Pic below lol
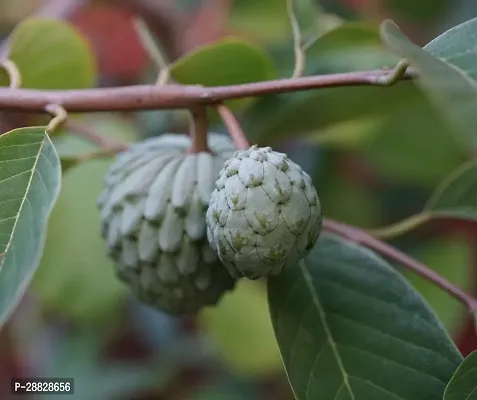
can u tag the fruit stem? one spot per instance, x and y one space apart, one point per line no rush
198 130
233 126
59 117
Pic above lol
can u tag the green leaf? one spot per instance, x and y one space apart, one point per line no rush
30 180
350 327
450 257
228 62
85 289
240 326
458 47
51 54
447 84
463 385
456 196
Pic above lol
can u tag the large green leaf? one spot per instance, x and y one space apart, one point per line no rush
85 288
30 180
463 385
51 54
447 81
240 326
458 46
350 327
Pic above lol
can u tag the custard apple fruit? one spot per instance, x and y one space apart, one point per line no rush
264 213
153 219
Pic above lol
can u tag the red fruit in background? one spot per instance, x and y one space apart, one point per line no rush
114 39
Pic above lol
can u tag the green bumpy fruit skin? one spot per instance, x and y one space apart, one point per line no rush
264 213
153 220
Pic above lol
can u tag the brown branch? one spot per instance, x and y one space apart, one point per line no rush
149 97
358 236
233 126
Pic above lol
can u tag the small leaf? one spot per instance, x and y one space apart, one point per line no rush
240 326
228 62
447 84
463 385
30 180
350 327
51 54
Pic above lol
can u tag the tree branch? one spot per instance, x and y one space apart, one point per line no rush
358 236
149 97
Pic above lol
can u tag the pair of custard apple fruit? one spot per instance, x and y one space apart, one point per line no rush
182 227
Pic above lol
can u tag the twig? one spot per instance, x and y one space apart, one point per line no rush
149 97
358 236
198 130
106 143
153 50
300 56
233 126
59 117
14 77
402 227
397 74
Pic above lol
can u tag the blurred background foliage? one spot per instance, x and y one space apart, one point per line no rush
374 154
